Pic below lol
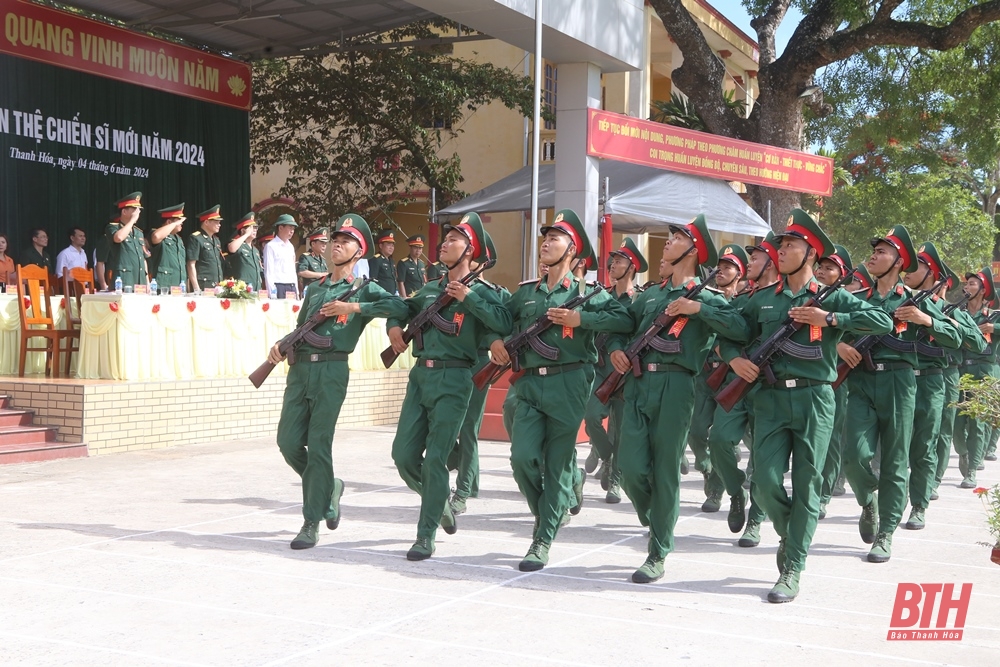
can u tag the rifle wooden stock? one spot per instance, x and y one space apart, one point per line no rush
733 393
717 376
609 386
488 374
258 376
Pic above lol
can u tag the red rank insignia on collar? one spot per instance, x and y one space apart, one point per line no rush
350 279
899 290
813 287
690 284
566 283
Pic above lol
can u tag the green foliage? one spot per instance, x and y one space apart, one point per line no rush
931 207
681 113
982 401
357 128
991 503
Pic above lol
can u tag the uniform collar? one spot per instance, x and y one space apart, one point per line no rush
666 284
813 286
568 281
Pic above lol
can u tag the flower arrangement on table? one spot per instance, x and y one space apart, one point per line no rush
235 289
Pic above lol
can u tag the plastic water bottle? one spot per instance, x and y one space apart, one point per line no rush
272 293
153 287
184 287
118 285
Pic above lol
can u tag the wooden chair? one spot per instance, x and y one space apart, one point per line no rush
75 283
33 284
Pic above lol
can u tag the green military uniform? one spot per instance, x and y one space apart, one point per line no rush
439 389
167 260
126 259
793 418
317 385
436 270
310 262
206 252
701 425
880 408
245 264
412 273
381 269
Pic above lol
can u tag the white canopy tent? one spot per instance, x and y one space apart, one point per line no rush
643 199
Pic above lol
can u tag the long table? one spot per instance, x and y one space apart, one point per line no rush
143 337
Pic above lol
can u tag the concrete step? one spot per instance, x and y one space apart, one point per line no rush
39 450
20 435
11 417
4 401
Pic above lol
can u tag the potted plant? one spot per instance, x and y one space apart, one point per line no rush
991 501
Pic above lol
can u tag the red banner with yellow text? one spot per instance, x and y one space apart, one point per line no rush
68 40
617 137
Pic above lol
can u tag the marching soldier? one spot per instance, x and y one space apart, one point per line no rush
311 265
659 403
793 417
440 384
411 271
552 395
883 393
626 262
126 259
436 269
243 262
829 270
204 252
383 271
318 377
167 262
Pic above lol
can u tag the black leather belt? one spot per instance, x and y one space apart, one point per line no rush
443 363
881 367
545 371
925 372
314 358
666 368
795 383
976 362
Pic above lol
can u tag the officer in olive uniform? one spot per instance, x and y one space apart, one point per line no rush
204 252
830 269
126 259
318 377
244 261
311 266
440 384
464 458
659 403
411 272
793 417
383 271
626 262
167 261
883 393
436 269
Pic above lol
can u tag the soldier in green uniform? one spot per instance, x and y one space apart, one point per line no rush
383 271
883 393
436 269
971 435
126 259
311 266
552 394
829 270
626 262
167 261
440 383
411 272
464 459
318 377
793 417
204 252
244 262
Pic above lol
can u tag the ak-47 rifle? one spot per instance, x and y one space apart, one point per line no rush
649 339
530 337
778 342
717 376
865 344
431 315
303 334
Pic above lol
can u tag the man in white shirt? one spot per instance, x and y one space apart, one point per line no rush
73 256
279 258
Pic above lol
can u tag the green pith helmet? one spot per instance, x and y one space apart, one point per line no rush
769 246
355 226
736 255
928 254
471 227
285 219
568 222
491 250
953 278
865 278
842 259
697 231
985 276
630 251
899 238
804 226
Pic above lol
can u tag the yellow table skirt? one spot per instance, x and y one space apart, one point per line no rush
10 336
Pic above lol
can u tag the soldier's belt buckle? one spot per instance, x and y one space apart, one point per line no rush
313 357
880 367
429 363
791 384
651 368
543 371
714 364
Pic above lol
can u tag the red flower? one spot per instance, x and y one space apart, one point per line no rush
113 306
266 307
27 303
230 284
191 306
225 304
295 308
980 491
62 304
156 308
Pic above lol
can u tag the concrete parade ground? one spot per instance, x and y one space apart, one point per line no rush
180 556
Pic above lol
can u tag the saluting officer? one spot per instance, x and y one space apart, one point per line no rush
204 252
793 417
383 271
411 271
659 403
168 258
312 266
126 259
440 383
883 393
318 377
243 262
626 262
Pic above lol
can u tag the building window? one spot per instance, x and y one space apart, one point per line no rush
550 91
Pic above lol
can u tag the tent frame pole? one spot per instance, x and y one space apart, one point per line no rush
536 136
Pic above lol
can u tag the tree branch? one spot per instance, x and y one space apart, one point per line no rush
766 26
886 9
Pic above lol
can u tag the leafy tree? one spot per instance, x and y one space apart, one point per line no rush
360 126
830 32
